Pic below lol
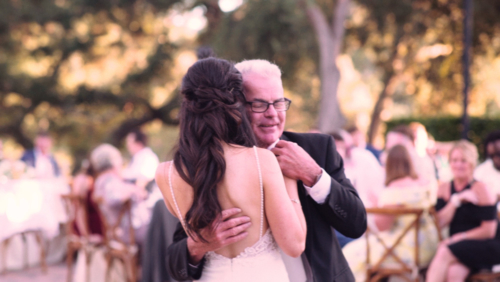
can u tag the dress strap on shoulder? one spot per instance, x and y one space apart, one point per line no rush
261 193
179 215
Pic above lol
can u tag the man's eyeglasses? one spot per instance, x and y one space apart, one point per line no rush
262 106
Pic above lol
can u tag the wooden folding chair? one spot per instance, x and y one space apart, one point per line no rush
78 232
116 247
485 276
396 267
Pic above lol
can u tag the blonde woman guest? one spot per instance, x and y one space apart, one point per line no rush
468 208
403 188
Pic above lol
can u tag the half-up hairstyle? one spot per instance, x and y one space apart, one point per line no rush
212 113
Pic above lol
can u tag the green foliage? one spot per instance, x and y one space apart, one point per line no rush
274 30
85 69
450 128
277 31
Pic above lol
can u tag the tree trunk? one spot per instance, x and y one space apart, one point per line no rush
330 40
390 74
377 110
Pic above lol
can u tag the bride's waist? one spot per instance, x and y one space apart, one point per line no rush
265 244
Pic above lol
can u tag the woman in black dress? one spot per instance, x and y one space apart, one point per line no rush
468 207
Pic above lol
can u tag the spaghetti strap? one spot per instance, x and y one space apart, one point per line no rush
173 196
261 193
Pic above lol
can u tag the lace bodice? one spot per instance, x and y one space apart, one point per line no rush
266 243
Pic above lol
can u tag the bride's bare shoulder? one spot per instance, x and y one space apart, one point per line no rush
162 172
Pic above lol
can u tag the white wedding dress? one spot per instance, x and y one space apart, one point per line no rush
260 262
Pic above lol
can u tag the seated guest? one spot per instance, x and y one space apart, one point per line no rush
403 188
83 186
403 135
361 167
359 140
40 157
489 171
468 208
112 191
141 169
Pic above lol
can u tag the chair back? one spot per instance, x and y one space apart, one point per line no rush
389 264
76 210
435 220
113 230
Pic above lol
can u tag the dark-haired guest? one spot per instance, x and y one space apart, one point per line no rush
359 140
489 171
468 208
144 162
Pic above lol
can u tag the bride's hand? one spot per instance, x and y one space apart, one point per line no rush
223 231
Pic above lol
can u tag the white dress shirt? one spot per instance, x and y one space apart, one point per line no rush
366 175
43 165
488 174
143 165
321 189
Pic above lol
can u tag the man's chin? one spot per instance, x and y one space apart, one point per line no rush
266 141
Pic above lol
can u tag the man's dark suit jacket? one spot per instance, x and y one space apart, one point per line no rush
342 210
29 158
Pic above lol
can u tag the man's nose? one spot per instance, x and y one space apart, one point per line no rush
271 111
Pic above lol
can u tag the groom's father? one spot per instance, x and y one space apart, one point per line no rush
328 199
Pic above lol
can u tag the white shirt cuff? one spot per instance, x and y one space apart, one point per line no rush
321 189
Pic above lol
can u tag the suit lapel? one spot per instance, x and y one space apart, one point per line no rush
284 137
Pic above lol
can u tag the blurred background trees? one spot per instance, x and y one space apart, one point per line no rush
88 71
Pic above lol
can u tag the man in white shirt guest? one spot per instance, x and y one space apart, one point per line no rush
489 171
141 169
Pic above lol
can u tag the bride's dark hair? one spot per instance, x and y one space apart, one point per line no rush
212 113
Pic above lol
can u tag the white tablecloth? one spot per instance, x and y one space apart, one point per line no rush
29 204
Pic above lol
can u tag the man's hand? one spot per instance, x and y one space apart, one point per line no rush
468 196
222 232
296 163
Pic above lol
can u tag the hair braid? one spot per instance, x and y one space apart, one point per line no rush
212 113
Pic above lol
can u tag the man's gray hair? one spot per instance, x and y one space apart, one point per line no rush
260 67
104 157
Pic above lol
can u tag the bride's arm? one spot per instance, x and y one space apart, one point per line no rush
291 188
282 207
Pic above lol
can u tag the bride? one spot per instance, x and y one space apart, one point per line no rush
217 166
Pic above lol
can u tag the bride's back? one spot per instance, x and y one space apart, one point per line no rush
239 188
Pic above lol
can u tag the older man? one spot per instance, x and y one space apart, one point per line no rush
328 199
